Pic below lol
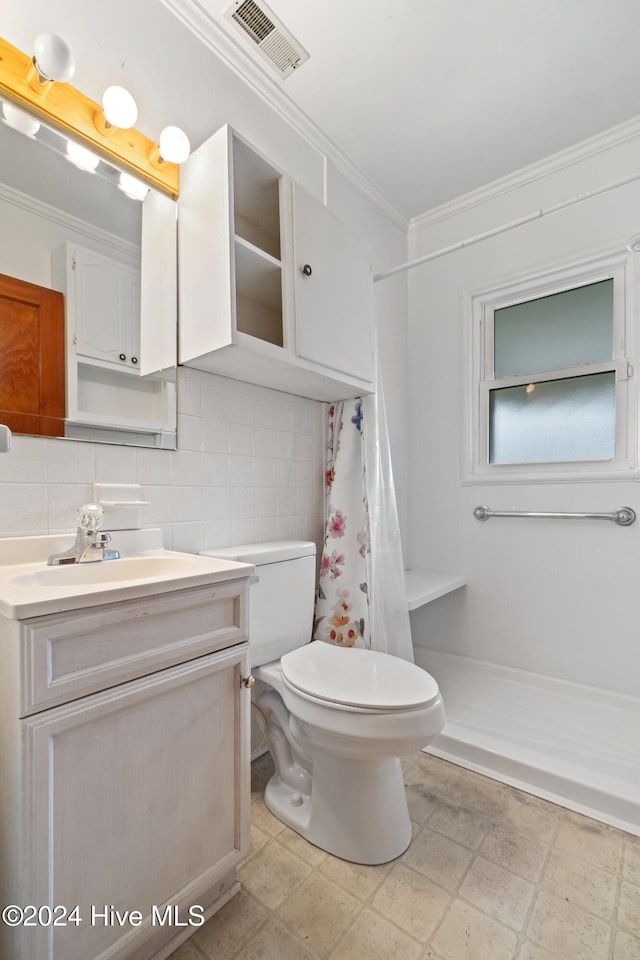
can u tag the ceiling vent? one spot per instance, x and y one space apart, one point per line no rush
275 44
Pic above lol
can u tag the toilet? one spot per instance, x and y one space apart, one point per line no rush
338 719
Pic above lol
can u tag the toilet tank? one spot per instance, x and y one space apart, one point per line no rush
281 599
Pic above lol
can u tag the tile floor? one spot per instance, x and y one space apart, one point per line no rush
492 873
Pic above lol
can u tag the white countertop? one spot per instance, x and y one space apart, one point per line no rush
23 561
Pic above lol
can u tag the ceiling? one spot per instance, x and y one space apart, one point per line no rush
432 99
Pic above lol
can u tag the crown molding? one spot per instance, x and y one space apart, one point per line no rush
193 15
67 221
629 130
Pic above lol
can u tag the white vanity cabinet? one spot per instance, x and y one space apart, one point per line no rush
274 289
125 771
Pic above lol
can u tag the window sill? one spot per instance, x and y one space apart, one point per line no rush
628 475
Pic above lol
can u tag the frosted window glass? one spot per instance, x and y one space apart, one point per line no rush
571 419
550 333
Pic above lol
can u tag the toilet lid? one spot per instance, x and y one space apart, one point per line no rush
358 678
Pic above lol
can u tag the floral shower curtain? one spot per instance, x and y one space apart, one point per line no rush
361 594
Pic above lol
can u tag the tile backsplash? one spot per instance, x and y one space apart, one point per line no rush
249 468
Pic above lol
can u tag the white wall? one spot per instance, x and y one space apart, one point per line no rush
556 597
249 464
29 238
389 243
249 467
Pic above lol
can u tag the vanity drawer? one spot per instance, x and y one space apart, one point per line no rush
69 655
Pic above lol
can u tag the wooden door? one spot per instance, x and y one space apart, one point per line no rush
31 358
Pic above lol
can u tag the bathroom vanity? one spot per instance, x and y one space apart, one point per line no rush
124 736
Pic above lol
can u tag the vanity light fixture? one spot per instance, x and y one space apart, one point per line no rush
20 120
52 61
119 111
132 187
173 147
29 83
81 157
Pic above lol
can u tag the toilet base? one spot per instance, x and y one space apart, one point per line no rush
357 809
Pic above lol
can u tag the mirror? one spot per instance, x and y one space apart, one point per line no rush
78 233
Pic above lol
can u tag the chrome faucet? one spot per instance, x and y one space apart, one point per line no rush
90 540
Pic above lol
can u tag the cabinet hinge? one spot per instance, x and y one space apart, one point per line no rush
629 370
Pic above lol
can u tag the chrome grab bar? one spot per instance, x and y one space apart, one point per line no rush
624 516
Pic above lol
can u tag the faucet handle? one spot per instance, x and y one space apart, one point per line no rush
90 517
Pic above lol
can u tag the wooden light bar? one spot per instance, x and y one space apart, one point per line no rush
71 112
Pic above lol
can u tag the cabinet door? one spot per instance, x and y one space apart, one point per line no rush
105 295
333 289
157 303
135 797
205 250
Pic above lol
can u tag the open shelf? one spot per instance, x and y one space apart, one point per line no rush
116 398
258 293
423 586
256 199
258 270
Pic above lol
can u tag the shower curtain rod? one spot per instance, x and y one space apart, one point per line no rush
505 227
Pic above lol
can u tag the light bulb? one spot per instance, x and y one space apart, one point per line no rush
132 187
119 108
81 157
52 58
174 145
19 120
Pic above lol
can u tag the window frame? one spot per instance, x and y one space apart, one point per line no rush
480 307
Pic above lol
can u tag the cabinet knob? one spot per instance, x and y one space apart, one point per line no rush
248 681
134 359
307 270
123 356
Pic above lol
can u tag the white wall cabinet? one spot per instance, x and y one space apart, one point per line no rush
333 298
273 288
125 771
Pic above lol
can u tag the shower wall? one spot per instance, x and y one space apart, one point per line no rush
559 598
547 624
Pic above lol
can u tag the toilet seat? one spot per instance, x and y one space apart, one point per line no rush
357 679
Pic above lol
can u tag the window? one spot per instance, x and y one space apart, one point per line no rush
550 392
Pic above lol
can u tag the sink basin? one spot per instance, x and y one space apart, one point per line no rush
31 588
110 571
